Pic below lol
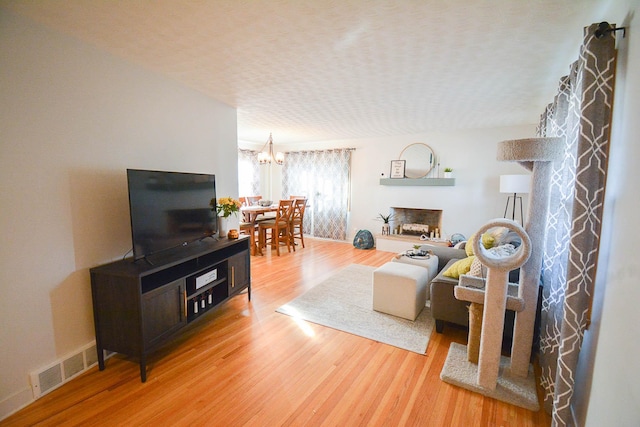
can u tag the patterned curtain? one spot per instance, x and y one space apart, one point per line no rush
324 177
248 173
581 113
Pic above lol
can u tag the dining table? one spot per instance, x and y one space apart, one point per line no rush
250 213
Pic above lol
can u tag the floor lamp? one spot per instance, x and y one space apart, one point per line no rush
514 184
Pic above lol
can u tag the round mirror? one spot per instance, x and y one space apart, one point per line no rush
419 160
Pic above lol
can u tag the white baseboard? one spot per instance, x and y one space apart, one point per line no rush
15 402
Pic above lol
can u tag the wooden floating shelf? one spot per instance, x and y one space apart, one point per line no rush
419 181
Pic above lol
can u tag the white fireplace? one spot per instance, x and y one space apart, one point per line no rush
415 220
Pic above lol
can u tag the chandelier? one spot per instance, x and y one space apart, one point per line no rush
265 156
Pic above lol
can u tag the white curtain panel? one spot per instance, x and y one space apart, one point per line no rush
581 112
324 178
249 173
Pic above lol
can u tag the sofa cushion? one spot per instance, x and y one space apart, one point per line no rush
444 254
459 267
444 305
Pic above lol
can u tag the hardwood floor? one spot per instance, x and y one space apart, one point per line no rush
248 365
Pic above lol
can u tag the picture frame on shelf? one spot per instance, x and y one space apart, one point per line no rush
397 169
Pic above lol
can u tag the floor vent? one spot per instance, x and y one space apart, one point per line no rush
54 375
73 365
91 356
50 378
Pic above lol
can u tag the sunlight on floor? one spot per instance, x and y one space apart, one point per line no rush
302 324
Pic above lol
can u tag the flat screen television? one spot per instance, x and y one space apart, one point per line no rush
169 209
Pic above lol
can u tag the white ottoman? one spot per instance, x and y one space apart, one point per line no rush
430 263
400 289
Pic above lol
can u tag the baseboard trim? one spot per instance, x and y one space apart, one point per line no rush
16 402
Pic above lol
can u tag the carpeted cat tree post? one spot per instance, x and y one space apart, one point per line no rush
492 377
537 155
494 298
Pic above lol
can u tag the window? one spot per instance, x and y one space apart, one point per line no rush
248 173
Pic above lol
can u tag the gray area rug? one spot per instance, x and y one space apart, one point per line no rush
517 391
344 302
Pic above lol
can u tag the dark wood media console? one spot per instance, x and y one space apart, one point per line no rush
139 306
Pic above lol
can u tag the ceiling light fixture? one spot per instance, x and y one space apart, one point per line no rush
265 156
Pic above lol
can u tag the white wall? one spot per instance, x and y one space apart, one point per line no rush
608 379
72 119
467 206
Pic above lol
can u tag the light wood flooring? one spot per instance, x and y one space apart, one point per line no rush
247 365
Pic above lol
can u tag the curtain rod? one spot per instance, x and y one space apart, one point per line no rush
605 28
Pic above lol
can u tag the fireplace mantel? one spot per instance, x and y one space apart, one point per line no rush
402 242
419 181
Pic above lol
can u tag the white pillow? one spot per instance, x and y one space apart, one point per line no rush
502 251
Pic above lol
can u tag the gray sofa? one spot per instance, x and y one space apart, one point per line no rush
444 305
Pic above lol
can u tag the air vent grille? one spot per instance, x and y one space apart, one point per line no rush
59 372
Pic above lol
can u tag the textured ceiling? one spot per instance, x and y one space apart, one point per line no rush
312 70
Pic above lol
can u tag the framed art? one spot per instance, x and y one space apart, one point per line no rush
397 168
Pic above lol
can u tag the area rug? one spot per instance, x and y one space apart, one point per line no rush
344 302
517 391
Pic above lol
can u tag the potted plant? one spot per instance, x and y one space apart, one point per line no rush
448 172
224 208
385 219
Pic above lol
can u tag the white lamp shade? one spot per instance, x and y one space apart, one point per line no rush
515 183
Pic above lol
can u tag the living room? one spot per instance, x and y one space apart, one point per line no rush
74 118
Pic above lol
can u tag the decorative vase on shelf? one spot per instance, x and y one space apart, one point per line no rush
448 174
385 229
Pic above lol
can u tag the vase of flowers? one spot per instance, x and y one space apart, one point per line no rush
224 207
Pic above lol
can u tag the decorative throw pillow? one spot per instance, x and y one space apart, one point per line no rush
487 242
477 269
459 267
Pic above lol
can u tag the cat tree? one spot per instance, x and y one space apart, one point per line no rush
512 382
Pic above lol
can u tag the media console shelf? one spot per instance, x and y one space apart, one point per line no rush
139 306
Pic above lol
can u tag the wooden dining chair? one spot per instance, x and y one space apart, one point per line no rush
296 223
279 228
250 228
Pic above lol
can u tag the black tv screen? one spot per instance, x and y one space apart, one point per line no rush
169 209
